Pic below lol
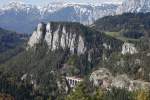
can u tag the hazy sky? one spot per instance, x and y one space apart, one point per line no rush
42 2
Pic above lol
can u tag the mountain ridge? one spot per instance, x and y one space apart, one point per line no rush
74 36
71 12
85 14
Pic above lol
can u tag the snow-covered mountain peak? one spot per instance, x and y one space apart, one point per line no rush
52 7
16 6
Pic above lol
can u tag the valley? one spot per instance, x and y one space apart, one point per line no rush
75 51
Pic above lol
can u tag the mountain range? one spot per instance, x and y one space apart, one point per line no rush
24 17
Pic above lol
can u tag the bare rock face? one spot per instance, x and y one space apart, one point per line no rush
58 36
137 84
98 76
105 79
38 35
128 48
121 81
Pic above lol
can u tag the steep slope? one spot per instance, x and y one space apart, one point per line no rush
73 36
15 16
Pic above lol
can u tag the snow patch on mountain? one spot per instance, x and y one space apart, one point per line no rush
134 6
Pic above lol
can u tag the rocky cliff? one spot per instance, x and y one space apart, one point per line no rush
76 38
128 48
58 36
104 78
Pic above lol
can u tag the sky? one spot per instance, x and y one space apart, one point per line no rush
43 2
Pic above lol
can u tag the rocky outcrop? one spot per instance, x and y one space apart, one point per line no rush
98 76
58 36
121 81
38 35
128 48
104 78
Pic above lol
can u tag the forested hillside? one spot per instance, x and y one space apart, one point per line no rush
132 28
10 44
129 25
37 70
44 65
